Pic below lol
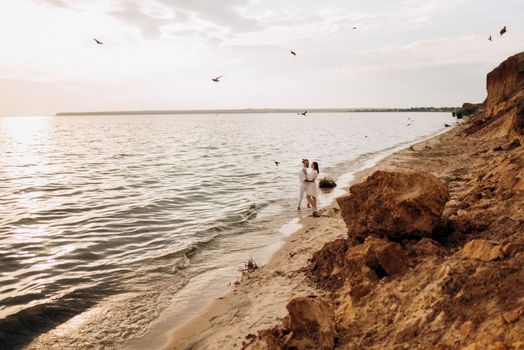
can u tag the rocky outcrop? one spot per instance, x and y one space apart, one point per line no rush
357 268
504 105
310 325
372 261
395 204
505 85
328 265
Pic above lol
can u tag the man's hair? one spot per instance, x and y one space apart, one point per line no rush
305 160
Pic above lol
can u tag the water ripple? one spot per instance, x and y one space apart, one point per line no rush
104 220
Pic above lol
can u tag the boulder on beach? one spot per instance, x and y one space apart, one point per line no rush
309 325
395 204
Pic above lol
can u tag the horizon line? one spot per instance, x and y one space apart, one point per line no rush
262 110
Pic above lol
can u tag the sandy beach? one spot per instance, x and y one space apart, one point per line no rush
480 160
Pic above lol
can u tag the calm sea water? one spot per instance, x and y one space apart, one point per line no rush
107 223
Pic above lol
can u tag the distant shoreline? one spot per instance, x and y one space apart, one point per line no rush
262 110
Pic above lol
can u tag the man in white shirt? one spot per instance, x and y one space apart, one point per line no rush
302 183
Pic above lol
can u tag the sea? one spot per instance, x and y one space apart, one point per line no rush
115 228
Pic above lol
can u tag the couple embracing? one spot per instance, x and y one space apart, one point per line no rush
308 177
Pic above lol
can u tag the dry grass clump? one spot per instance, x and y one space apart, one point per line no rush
248 267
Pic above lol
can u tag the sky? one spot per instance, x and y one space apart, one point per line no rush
162 54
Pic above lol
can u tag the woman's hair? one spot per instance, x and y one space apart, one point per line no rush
315 166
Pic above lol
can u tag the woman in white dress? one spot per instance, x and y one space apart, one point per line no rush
311 185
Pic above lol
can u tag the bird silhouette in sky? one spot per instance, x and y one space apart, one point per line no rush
98 41
277 163
217 79
503 31
302 113
490 39
354 28
293 53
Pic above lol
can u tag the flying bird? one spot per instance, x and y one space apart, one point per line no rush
503 31
277 163
490 39
293 53
302 113
354 28
217 79
98 41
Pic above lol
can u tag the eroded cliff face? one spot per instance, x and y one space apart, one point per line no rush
503 114
518 120
451 280
505 85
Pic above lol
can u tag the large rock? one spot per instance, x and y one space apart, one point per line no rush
361 265
371 261
383 257
396 204
311 324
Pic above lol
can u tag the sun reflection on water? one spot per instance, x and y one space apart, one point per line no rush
20 139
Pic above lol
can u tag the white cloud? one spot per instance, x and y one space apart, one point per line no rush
162 53
132 13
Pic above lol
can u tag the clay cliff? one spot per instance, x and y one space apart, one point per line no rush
434 256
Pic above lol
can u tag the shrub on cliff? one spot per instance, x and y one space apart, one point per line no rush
468 109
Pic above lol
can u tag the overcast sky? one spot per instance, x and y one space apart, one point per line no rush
162 54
